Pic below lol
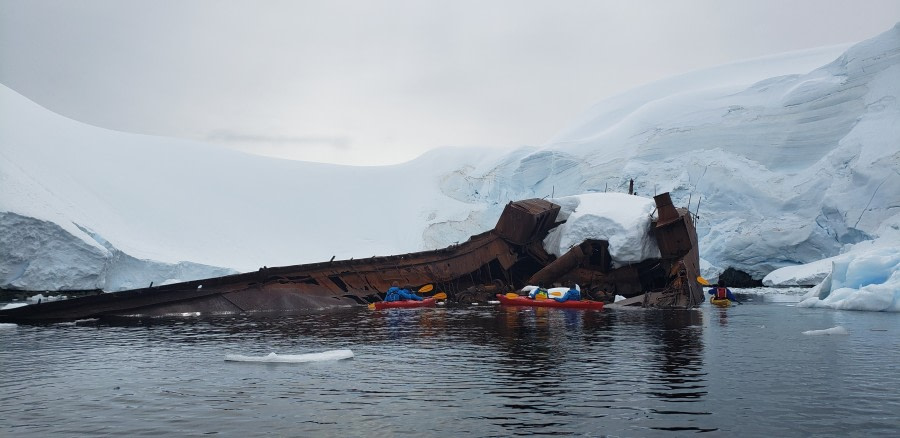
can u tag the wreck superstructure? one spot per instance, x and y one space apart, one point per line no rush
497 261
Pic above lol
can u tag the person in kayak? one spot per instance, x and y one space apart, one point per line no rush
395 293
573 294
720 292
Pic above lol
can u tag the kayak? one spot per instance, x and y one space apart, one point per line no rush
525 301
724 302
402 304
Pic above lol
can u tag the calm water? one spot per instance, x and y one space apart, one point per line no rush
461 371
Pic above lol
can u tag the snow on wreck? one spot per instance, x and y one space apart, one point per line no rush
608 243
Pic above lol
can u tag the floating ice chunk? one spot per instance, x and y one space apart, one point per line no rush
77 322
862 280
292 358
839 330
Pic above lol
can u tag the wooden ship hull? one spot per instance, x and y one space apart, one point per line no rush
497 261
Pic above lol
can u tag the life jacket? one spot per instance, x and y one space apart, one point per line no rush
538 293
721 293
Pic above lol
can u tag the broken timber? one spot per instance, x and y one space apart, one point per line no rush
500 260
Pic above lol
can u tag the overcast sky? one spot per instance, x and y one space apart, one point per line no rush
375 82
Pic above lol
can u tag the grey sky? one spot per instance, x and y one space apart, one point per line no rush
375 82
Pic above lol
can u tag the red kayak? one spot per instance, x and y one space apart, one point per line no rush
427 302
525 301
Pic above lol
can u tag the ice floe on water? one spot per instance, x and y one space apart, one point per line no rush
7 326
80 322
862 280
865 277
839 330
292 358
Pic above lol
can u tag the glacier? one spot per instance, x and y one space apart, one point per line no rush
785 161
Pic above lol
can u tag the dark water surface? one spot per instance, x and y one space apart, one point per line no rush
461 371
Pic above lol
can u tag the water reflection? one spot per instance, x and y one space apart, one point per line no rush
540 369
681 377
723 316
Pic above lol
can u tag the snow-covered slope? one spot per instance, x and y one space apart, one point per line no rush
786 170
789 157
75 199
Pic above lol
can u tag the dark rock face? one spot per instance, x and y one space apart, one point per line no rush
737 278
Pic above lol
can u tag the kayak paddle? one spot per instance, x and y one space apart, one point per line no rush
513 295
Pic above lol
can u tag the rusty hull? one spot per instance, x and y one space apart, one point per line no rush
501 260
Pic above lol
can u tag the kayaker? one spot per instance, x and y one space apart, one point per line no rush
720 292
395 293
573 294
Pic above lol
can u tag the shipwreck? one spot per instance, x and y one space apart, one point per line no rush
501 260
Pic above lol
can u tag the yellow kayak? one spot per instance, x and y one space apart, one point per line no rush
724 302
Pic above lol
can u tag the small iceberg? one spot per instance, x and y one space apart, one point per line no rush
839 330
79 322
292 358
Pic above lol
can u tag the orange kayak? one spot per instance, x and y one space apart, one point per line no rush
525 301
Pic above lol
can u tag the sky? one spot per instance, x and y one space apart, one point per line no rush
381 82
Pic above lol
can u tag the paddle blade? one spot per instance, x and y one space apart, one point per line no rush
702 281
440 296
512 295
371 306
426 288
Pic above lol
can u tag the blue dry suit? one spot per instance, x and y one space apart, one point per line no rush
722 293
397 294
571 294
